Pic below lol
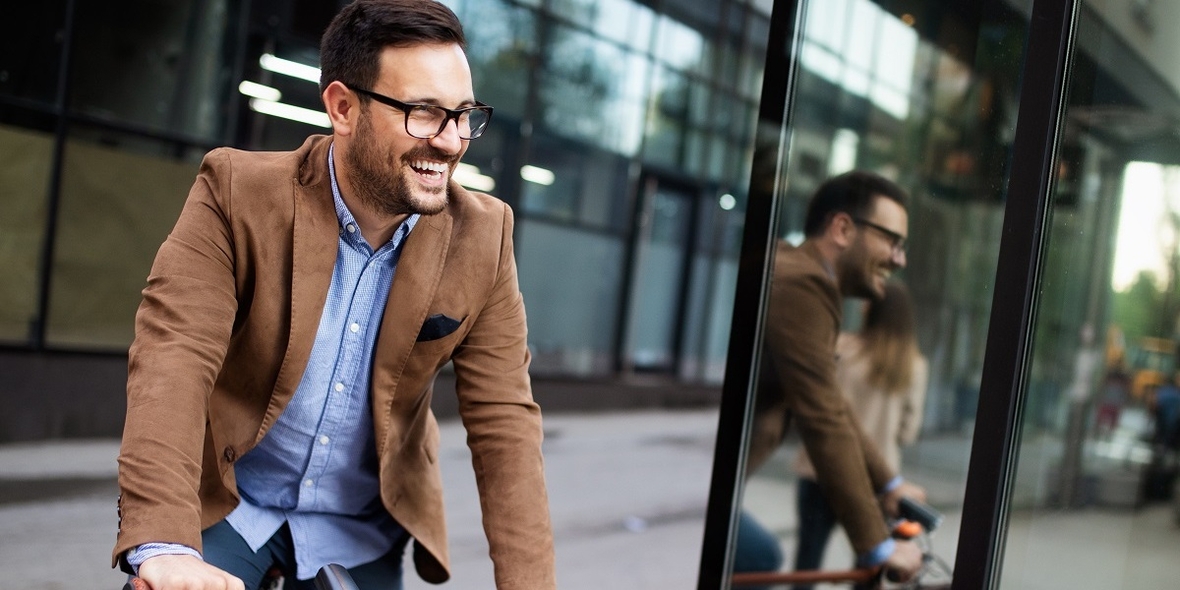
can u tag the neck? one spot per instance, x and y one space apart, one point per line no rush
376 227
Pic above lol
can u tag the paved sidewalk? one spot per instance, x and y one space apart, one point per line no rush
627 495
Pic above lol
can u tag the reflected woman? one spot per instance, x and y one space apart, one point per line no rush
884 376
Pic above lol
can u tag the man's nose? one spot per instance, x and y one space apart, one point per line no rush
448 140
899 257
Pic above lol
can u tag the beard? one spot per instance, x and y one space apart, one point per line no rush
858 273
384 187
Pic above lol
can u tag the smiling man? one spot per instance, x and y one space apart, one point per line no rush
855 230
294 321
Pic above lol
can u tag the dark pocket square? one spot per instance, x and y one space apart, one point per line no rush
437 326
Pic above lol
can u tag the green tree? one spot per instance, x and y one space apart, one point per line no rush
1141 309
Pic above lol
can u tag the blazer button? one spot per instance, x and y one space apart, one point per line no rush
230 455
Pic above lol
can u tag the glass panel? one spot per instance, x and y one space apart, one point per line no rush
553 261
678 45
500 49
25 160
592 90
120 196
667 118
658 278
851 111
31 36
1094 503
156 64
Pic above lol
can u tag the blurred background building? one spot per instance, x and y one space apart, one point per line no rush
622 137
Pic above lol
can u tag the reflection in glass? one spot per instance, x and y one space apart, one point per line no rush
133 195
1094 504
157 65
25 158
923 101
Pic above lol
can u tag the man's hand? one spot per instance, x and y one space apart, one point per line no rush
905 490
904 563
185 572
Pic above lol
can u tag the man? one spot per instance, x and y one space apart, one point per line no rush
855 232
294 322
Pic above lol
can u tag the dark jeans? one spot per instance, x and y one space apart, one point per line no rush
226 549
816 520
756 549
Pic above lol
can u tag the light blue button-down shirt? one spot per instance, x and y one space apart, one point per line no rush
316 468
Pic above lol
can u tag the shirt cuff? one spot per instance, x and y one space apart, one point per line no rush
878 555
892 485
142 553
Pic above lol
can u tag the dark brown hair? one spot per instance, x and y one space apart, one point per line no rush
889 339
351 47
853 193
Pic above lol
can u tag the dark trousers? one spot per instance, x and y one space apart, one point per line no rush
226 549
756 549
816 520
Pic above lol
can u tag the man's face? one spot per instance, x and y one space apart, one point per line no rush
390 171
876 250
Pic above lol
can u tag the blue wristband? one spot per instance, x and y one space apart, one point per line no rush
878 555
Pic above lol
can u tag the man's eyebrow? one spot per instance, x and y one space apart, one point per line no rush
470 102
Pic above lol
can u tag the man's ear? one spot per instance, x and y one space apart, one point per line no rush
842 230
342 106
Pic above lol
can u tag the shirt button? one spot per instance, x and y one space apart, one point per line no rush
308 482
323 440
351 228
355 327
339 387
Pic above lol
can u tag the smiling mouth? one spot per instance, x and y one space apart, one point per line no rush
429 170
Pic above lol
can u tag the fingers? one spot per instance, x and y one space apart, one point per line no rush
185 572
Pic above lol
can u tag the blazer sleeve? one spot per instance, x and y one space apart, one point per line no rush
801 330
182 331
504 433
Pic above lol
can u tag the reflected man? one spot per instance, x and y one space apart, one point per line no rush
855 231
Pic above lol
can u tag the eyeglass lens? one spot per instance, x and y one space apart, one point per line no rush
426 121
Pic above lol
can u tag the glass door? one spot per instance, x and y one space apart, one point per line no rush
1092 502
925 95
659 276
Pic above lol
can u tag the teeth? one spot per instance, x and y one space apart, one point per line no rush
438 167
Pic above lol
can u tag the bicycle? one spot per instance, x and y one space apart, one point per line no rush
917 523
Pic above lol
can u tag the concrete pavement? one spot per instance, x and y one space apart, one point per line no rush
627 495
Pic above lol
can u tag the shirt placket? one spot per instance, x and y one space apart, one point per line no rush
348 385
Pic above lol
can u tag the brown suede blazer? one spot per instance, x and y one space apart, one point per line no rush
226 327
802 322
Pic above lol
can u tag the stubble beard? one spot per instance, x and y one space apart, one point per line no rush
383 186
858 277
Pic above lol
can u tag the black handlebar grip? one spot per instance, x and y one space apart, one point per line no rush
922 514
334 577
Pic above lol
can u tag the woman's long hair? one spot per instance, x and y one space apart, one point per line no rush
889 340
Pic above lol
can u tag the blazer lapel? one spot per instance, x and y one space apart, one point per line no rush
415 282
315 240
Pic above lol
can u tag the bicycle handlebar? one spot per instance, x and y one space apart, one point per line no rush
922 514
334 577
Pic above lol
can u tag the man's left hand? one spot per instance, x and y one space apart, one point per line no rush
905 490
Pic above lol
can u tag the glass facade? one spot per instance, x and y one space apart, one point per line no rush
1038 141
603 110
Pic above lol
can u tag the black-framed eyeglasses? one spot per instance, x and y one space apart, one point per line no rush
426 121
896 240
